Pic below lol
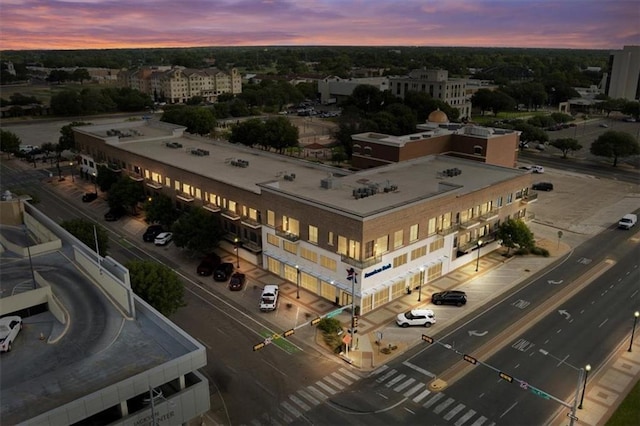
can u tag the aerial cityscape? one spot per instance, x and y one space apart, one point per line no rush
320 213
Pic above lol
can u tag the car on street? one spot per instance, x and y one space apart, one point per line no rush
542 186
603 125
152 232
451 297
9 328
163 238
208 264
628 221
237 281
89 197
421 317
269 298
223 271
537 169
114 214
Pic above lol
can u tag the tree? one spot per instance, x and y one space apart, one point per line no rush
106 177
531 133
502 102
614 144
565 145
157 284
67 138
197 230
9 142
198 120
88 232
249 133
632 108
80 74
126 192
280 134
515 234
483 99
160 209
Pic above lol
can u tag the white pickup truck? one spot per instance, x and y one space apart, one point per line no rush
628 221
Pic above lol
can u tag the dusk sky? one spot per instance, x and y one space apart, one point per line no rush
102 24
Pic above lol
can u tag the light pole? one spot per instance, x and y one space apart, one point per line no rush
71 167
420 285
579 385
235 240
297 282
478 258
587 368
95 182
636 314
33 275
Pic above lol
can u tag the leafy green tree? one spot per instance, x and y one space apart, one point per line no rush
20 99
80 74
249 132
610 105
106 177
531 133
614 144
126 192
404 119
632 108
541 121
515 234
9 142
67 102
157 284
280 134
420 103
197 230
502 102
566 145
160 209
67 138
483 99
87 232
198 120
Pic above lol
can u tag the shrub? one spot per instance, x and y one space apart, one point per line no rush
522 251
330 325
540 251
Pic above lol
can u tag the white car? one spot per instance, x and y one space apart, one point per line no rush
537 169
423 317
9 329
269 298
163 238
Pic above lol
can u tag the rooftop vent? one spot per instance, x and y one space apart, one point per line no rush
290 177
199 152
174 145
239 163
450 172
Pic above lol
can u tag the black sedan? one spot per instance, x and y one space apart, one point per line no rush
89 197
237 281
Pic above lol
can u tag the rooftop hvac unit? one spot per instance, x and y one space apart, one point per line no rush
329 183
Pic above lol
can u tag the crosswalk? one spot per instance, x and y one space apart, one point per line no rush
415 390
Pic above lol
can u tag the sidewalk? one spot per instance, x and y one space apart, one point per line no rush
606 387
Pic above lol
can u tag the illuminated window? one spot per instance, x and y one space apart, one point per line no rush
431 227
167 182
419 252
156 177
290 247
354 249
233 206
382 245
435 271
436 245
176 185
273 240
271 218
413 233
397 239
327 262
342 245
313 234
330 238
309 254
399 260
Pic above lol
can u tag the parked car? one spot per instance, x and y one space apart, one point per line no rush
208 264
237 281
452 297
163 238
603 125
269 298
89 197
537 169
114 214
542 186
9 328
422 317
223 271
151 233
628 221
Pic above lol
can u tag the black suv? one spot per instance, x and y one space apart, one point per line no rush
151 233
223 271
89 197
542 186
452 297
208 264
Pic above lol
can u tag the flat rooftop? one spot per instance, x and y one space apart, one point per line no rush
395 185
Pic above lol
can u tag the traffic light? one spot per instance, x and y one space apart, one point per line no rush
355 322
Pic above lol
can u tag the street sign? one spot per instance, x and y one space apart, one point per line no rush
539 393
336 312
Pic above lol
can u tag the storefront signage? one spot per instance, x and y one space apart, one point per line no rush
377 270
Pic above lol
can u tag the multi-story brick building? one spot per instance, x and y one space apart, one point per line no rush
437 84
419 218
178 84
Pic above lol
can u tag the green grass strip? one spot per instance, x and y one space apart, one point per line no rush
281 342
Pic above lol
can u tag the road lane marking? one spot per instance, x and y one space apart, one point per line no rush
395 380
603 322
342 379
479 421
421 396
308 397
386 376
404 385
274 367
350 374
291 409
440 407
508 409
419 370
414 389
325 387
317 393
435 398
300 402
451 414
334 383
462 420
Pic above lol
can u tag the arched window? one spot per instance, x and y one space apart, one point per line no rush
477 150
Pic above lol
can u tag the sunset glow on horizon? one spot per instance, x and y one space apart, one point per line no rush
112 24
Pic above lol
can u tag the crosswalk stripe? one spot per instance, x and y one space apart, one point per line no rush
325 387
421 396
462 420
350 374
414 389
317 393
334 383
379 369
404 385
290 408
386 376
479 421
308 397
440 407
395 380
451 414
300 402
435 398
342 379
270 420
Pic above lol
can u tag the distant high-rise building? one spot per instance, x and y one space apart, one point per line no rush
624 78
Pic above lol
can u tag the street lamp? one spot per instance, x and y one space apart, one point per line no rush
71 167
581 381
420 285
95 182
235 240
587 368
478 259
297 282
636 314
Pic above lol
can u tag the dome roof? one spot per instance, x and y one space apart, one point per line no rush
438 116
